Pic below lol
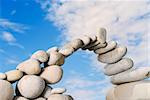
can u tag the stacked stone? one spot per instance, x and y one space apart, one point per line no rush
33 81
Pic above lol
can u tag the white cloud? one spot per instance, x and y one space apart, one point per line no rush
8 37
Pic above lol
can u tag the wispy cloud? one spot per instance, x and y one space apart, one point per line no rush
8 37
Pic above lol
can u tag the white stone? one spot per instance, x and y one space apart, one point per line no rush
60 97
92 44
52 74
86 40
110 46
20 98
40 98
31 86
100 45
76 44
2 76
131 76
66 51
130 91
101 36
53 49
14 75
58 90
47 92
40 55
93 38
30 66
113 56
6 90
56 58
118 67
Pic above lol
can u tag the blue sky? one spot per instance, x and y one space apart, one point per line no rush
30 25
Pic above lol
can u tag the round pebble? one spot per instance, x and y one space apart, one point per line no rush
2 76
40 55
66 51
40 98
20 98
14 75
6 90
100 45
76 44
30 66
86 40
31 86
47 92
53 49
52 74
60 97
58 90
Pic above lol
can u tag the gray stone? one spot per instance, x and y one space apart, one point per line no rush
14 75
76 44
55 49
30 66
47 92
58 90
6 90
86 40
52 74
110 46
60 97
40 98
2 76
20 98
40 55
31 86
100 45
101 36
92 44
112 56
66 51
131 76
122 65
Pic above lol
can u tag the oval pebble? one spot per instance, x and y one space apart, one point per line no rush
2 76
86 40
58 90
110 46
131 76
47 92
60 97
14 75
121 66
112 56
52 74
40 98
101 36
66 51
30 66
20 98
6 90
100 45
56 58
52 49
92 44
76 44
31 86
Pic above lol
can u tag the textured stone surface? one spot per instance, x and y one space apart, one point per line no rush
66 51
113 56
131 76
30 66
56 58
20 98
14 75
101 36
52 74
58 91
6 90
40 55
31 86
2 76
40 98
60 97
110 46
122 65
47 92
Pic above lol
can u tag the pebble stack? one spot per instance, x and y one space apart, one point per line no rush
34 82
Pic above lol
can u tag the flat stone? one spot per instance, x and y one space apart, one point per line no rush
92 44
100 45
86 40
130 91
118 67
52 49
40 98
76 44
20 98
30 66
110 46
60 97
131 76
47 92
40 55
52 74
2 76
14 75
31 86
101 36
66 51
58 91
6 90
56 58
112 56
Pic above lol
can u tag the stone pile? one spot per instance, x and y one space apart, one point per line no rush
34 82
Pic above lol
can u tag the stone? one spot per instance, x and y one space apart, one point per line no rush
40 55
118 67
131 76
6 90
31 86
100 45
52 74
55 49
130 91
101 36
91 45
2 76
76 44
60 97
14 75
86 40
56 58
58 91
47 92
110 46
40 98
30 66
93 38
112 56
20 98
